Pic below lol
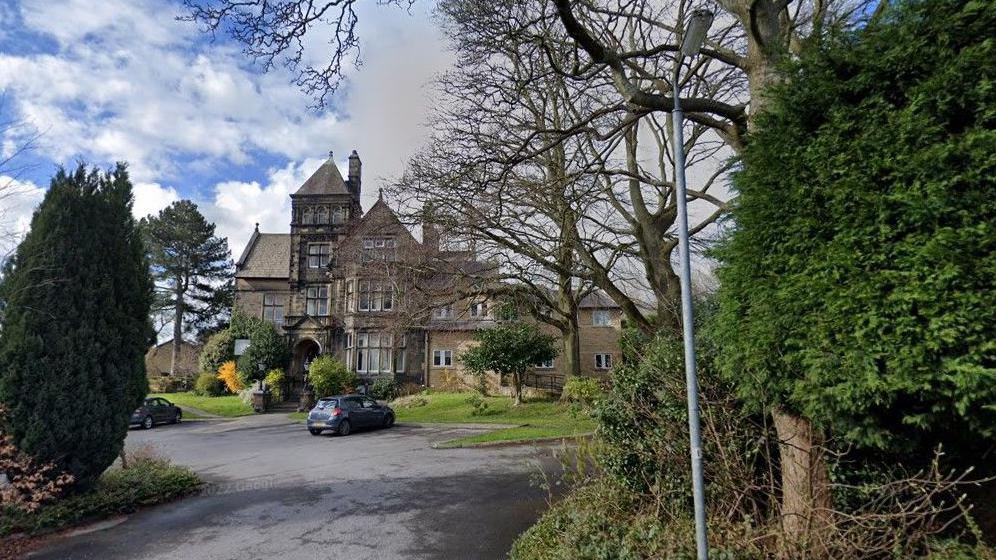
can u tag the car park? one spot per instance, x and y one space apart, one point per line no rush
156 410
343 413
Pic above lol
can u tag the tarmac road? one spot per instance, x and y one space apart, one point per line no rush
275 491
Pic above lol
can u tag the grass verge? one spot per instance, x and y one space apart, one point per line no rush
228 405
536 419
145 482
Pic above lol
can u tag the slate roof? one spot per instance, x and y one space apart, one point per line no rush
598 300
266 256
326 180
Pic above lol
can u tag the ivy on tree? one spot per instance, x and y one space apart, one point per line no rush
76 324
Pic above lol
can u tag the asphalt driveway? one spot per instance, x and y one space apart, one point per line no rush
275 491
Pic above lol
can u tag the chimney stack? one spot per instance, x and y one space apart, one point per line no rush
430 235
354 175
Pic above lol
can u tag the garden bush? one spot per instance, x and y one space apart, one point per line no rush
209 385
274 380
229 375
383 389
146 481
219 348
328 376
582 392
479 404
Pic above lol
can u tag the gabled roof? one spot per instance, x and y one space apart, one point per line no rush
380 218
598 300
266 256
326 180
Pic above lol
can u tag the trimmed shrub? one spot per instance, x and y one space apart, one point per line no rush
383 389
582 392
274 380
219 348
328 376
209 385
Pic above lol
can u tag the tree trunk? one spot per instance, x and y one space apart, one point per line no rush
516 389
806 499
177 333
572 348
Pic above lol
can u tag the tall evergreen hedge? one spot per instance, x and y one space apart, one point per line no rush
858 283
76 324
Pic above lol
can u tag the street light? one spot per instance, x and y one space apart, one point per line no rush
694 36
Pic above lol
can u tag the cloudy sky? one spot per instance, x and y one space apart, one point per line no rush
123 80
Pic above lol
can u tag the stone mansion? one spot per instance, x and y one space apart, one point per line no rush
359 285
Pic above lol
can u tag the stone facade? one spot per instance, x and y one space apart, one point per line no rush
361 287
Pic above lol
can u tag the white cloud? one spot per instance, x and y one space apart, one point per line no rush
129 82
18 200
150 198
237 206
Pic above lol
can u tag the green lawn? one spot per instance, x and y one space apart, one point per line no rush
536 419
228 405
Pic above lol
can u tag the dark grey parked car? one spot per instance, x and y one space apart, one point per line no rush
343 413
156 410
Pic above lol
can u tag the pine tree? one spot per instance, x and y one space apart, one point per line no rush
76 324
192 270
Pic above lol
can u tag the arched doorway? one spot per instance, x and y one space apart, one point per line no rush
305 351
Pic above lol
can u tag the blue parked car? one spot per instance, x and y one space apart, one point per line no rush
343 413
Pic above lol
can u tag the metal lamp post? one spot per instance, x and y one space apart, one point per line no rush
693 37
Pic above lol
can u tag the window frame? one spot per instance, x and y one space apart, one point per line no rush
603 360
321 302
604 313
273 307
442 358
315 257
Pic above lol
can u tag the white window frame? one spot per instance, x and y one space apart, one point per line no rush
479 310
275 307
443 312
315 255
604 314
603 360
374 352
316 300
442 358
545 365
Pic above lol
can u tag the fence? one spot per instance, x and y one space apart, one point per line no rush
553 382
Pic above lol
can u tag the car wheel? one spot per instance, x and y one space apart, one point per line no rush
389 421
315 432
344 428
147 423
178 417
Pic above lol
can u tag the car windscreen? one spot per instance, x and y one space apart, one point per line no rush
328 403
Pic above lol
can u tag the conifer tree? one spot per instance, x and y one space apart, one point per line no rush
76 324
192 269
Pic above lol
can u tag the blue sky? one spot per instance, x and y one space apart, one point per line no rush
110 80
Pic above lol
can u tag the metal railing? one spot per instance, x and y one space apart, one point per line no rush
546 381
